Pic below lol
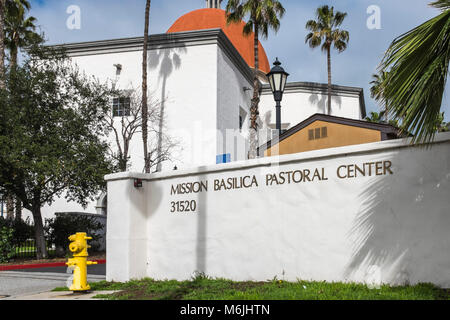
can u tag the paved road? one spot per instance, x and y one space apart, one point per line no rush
33 281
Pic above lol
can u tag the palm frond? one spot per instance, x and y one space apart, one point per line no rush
263 14
441 4
313 40
418 63
324 30
339 18
248 28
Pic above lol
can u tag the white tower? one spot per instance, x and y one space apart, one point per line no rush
213 4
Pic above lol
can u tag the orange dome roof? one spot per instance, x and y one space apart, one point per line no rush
215 18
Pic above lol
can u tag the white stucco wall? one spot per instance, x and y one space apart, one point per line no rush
231 97
188 93
334 230
299 104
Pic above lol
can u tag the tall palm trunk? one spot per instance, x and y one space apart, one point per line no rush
2 43
329 78
144 89
13 63
9 199
255 101
15 50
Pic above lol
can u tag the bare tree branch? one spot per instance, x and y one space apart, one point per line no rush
130 124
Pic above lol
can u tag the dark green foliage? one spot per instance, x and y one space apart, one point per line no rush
22 230
60 228
376 117
441 125
52 134
6 245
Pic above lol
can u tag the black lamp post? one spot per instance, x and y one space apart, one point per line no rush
277 79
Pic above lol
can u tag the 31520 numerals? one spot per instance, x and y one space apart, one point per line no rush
183 206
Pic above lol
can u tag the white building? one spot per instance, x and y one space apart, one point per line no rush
201 70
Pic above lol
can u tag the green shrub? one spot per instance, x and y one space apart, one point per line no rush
4 222
6 244
22 230
60 228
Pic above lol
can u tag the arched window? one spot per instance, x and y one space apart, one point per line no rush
102 204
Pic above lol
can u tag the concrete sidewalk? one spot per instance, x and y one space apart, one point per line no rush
18 285
62 295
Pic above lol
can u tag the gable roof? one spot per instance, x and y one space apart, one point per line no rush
385 129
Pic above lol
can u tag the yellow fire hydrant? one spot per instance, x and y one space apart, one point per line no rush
79 248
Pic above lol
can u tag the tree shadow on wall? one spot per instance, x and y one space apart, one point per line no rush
402 229
202 234
166 60
321 103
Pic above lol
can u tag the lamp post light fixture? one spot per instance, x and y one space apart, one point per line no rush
277 79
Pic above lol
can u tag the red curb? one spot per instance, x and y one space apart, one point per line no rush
40 265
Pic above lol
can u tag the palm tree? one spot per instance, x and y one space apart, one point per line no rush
3 11
19 33
264 15
19 30
376 117
325 29
377 89
144 89
441 125
418 65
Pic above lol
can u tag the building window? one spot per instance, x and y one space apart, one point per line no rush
121 107
311 134
242 118
318 133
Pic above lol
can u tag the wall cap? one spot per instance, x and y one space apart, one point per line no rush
284 159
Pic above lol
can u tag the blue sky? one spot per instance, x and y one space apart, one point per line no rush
109 19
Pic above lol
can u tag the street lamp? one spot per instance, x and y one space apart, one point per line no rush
277 79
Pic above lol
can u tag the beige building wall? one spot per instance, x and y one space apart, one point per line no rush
338 135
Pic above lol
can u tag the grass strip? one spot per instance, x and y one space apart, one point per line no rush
205 288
